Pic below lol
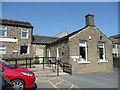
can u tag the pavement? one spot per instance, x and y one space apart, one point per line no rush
48 78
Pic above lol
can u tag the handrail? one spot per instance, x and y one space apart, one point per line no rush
67 67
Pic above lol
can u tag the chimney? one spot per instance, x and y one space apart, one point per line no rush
89 20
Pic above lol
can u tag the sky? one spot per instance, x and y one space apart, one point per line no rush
51 18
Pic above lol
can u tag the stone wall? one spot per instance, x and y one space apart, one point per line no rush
92 51
39 50
63 50
15 33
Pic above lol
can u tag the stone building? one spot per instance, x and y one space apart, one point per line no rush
15 37
87 49
39 44
116 45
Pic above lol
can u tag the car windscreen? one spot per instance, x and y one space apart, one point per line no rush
9 65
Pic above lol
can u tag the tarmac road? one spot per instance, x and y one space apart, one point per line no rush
46 79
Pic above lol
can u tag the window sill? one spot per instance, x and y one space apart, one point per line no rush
84 62
24 37
102 61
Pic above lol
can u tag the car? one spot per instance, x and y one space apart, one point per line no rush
20 77
5 84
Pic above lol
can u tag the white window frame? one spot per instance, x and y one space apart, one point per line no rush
23 30
5 29
3 48
104 54
83 45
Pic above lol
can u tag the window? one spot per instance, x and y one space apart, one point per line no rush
24 33
24 50
2 49
101 51
83 51
3 31
114 46
1 68
15 52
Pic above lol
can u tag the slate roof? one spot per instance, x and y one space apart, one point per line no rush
115 39
69 35
45 40
15 23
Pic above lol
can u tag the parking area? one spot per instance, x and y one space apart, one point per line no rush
54 82
48 78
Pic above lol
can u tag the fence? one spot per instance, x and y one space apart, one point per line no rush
19 61
66 67
50 61
28 60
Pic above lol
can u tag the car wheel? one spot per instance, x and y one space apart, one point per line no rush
18 84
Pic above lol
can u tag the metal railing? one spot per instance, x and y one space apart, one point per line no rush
29 60
19 60
66 67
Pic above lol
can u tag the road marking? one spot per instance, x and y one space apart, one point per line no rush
72 86
51 79
70 83
53 84
59 82
62 80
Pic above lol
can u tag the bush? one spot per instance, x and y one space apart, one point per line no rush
36 59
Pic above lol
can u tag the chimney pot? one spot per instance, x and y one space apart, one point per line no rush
89 20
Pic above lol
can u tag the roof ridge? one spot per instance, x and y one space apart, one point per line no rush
45 36
15 20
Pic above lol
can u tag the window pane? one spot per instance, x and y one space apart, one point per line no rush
113 46
25 30
83 50
101 53
82 53
82 43
24 34
2 49
23 50
2 28
2 32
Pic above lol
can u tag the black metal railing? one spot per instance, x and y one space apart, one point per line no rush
66 67
23 61
29 60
